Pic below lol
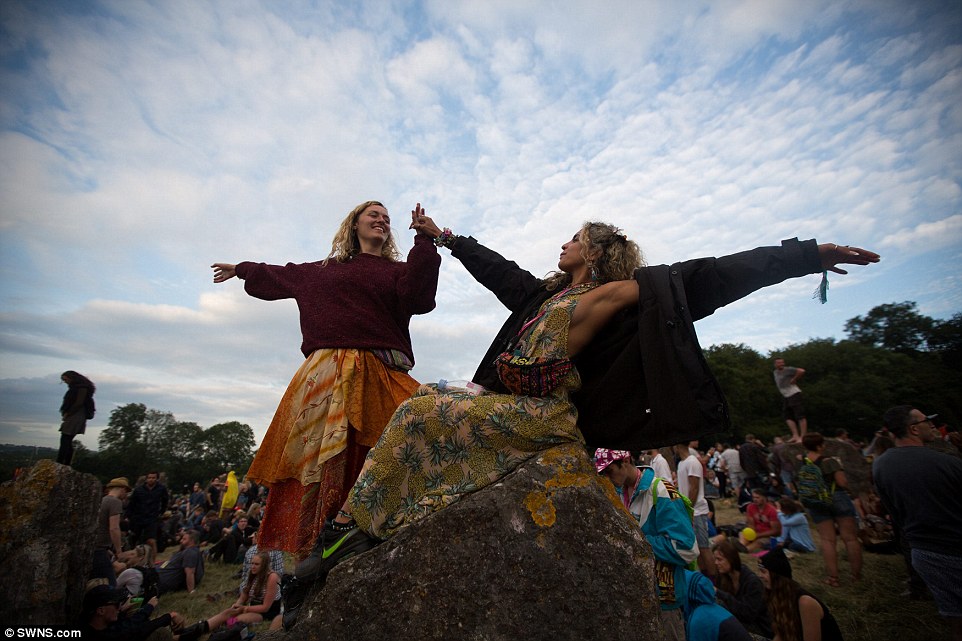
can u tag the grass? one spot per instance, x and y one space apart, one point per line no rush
867 611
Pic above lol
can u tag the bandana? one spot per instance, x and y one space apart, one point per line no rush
604 458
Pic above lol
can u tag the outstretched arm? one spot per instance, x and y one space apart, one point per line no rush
224 271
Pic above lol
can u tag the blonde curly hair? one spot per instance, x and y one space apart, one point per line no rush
346 244
619 258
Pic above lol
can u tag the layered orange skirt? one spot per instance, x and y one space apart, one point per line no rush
333 412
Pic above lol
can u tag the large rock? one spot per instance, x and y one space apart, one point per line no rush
547 553
48 517
858 472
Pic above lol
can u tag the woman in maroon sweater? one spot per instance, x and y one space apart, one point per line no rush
355 307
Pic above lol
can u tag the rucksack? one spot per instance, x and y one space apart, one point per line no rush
90 407
813 491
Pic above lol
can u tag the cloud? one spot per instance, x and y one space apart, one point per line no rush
139 143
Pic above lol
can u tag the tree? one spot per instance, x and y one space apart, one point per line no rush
123 428
177 444
138 439
746 379
229 446
945 338
895 326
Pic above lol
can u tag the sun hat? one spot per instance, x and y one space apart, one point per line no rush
120 481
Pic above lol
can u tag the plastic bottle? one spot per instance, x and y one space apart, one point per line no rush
445 385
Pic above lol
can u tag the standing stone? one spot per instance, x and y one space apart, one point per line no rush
48 517
857 470
549 552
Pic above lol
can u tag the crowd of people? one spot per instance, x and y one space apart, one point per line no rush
598 352
135 523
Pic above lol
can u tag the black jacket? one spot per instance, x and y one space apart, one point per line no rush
645 381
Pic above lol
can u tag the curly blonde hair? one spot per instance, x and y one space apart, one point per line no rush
619 258
346 244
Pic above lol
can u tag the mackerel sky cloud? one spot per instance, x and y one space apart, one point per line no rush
142 141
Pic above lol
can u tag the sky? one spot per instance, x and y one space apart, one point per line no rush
142 141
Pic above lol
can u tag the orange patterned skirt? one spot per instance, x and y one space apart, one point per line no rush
333 412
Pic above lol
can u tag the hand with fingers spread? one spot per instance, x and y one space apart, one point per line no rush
832 255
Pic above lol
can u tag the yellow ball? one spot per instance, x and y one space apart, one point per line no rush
749 534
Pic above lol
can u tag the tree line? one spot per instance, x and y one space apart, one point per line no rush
892 355
137 440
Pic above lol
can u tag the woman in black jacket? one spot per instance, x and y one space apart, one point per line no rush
76 408
740 590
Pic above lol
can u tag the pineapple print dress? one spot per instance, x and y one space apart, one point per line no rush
441 445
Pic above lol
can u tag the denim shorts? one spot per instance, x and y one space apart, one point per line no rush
842 506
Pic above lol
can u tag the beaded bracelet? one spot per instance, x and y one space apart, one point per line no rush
445 238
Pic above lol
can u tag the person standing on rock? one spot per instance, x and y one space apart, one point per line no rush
75 410
793 411
355 310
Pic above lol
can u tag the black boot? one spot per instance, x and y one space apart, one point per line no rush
193 632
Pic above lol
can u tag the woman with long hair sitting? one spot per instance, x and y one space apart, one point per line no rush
260 600
797 615
740 590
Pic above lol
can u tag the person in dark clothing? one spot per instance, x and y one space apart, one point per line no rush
645 380
231 547
101 617
740 591
920 488
77 407
147 504
754 462
796 613
214 491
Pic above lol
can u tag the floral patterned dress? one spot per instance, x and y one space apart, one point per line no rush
441 445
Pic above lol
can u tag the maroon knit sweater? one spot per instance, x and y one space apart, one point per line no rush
365 303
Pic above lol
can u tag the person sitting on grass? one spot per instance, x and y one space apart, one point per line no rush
259 601
740 590
797 614
705 620
108 616
796 534
762 517
182 571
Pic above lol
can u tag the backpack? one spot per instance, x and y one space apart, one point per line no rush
813 491
90 407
